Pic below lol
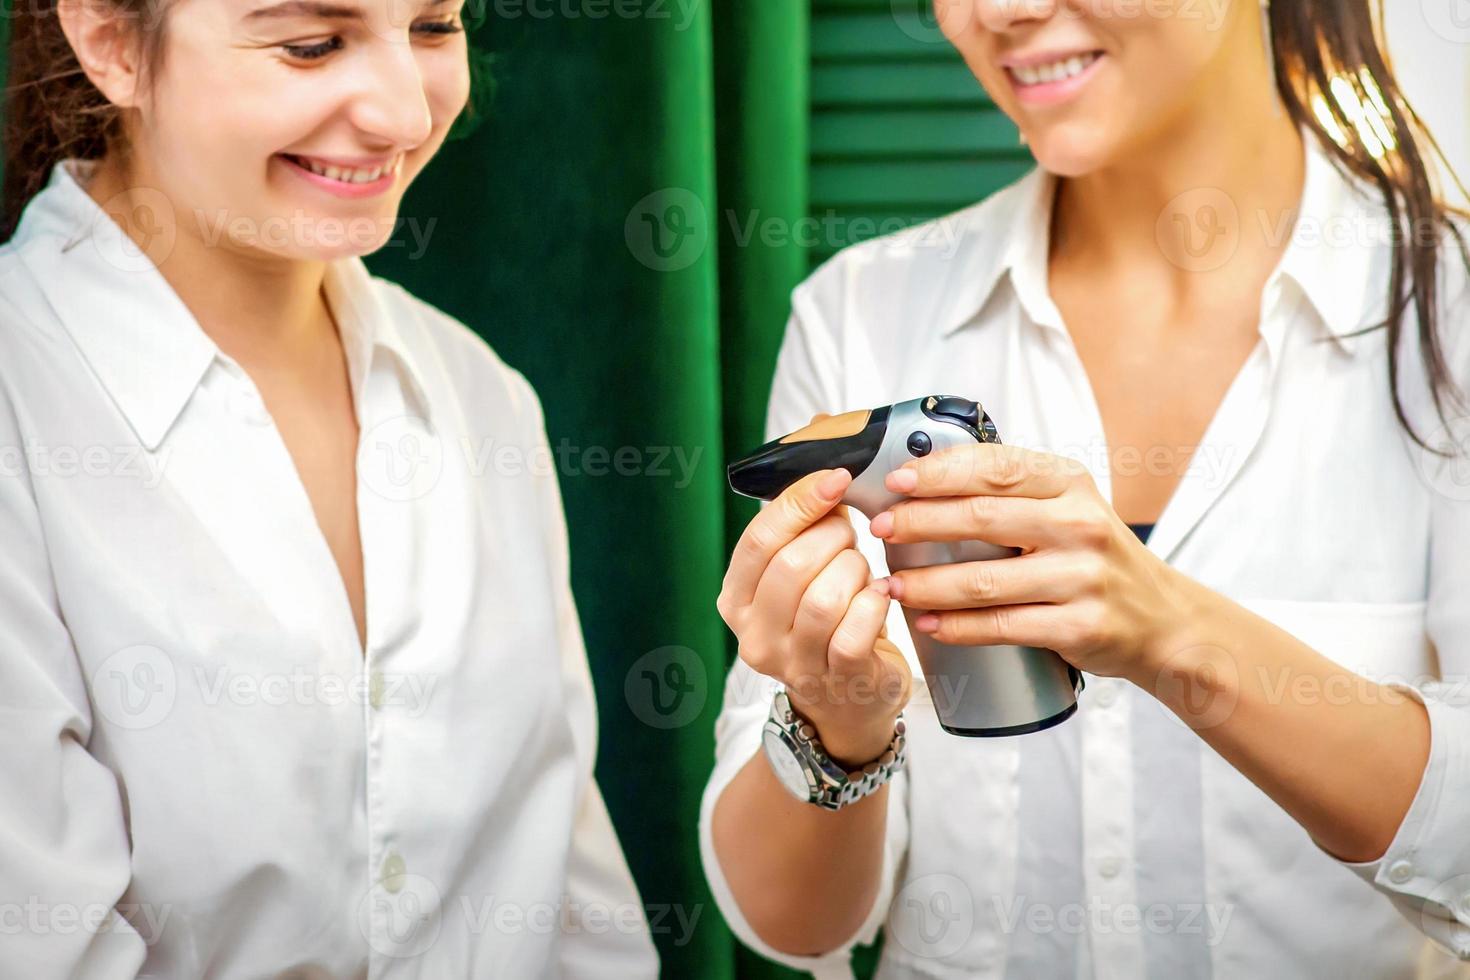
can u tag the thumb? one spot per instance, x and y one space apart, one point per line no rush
808 500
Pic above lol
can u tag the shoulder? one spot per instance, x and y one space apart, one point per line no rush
455 359
33 345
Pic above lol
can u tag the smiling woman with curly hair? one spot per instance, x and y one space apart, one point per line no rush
290 689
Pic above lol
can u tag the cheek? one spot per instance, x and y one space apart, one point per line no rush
446 75
226 107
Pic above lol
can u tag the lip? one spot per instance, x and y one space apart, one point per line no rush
339 188
1050 93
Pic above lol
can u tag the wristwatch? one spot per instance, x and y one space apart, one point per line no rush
809 773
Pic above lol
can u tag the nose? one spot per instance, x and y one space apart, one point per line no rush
393 104
1005 15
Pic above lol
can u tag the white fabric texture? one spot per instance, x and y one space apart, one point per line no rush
1118 845
203 773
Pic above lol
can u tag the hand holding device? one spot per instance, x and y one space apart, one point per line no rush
976 690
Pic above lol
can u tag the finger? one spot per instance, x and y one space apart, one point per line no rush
794 568
1016 522
777 525
895 679
975 584
1031 626
823 606
1008 471
850 652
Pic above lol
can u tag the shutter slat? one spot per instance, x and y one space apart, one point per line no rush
901 132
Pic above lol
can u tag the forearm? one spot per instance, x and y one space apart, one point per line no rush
805 878
1341 754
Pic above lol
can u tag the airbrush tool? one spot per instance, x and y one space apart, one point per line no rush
976 690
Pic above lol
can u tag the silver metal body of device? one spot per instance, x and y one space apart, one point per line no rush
976 690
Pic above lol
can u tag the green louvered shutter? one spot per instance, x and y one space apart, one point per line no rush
901 131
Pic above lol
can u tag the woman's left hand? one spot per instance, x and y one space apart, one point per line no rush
1083 585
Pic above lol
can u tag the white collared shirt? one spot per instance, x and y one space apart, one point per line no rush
203 774
1118 845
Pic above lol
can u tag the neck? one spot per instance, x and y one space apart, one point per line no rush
258 308
1236 151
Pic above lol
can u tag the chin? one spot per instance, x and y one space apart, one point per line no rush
1070 151
348 250
325 236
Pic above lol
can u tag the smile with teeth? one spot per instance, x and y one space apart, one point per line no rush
347 175
1056 71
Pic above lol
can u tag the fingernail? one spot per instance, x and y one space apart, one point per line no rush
882 586
895 586
927 623
832 485
882 525
902 480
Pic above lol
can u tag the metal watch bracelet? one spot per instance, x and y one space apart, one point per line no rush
803 766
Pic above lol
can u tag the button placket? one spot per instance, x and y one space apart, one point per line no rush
1108 839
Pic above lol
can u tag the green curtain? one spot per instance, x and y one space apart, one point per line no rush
591 230
607 227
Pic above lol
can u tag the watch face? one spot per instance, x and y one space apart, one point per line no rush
787 766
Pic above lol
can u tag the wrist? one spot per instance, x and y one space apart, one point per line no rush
852 744
1179 634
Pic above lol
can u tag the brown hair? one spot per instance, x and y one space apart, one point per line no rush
1323 47
52 110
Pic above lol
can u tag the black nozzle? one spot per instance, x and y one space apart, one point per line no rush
769 470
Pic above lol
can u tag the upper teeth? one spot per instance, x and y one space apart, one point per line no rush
348 175
1055 71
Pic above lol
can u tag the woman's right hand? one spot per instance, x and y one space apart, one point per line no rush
801 599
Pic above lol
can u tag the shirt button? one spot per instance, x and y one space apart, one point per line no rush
1400 872
1109 866
393 871
375 689
1107 694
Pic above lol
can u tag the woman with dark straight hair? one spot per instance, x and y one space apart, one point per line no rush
288 688
1221 329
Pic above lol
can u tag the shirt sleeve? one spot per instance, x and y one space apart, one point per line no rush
65 860
807 381
1425 871
606 928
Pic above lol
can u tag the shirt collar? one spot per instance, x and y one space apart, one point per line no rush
1334 255
140 340
1340 247
1007 234
367 326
